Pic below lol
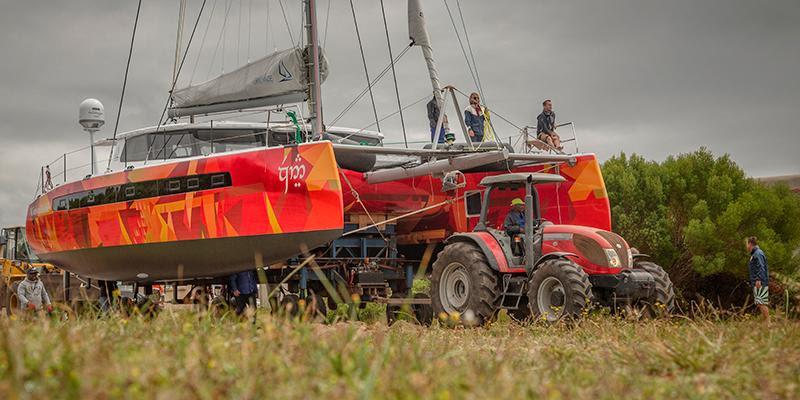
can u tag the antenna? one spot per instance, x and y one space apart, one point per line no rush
91 117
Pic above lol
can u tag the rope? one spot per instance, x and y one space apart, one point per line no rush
125 79
460 43
180 67
469 46
357 197
327 17
446 202
427 96
267 30
493 111
394 75
286 20
202 43
239 33
219 39
363 92
364 61
249 28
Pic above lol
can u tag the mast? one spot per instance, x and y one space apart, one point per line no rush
418 33
314 91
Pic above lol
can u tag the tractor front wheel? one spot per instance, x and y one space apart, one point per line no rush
559 288
463 284
663 300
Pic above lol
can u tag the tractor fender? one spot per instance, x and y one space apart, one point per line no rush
554 255
488 245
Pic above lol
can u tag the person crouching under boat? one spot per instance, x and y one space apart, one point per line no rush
475 118
32 293
244 287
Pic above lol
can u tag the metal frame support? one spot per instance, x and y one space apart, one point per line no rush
440 122
481 226
67 294
409 278
460 117
303 282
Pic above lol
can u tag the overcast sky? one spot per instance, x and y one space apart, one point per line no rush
641 76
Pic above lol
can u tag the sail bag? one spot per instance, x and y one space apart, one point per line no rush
279 78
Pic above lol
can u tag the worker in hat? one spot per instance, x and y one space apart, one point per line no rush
515 220
515 225
32 294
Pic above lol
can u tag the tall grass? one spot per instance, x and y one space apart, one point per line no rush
188 355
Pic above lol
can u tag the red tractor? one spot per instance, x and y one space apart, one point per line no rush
549 271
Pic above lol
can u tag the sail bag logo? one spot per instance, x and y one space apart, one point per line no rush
285 74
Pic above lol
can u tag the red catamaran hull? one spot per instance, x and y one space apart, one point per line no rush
267 205
580 200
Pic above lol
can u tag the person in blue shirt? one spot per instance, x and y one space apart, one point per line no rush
546 126
475 118
244 287
514 225
759 276
515 219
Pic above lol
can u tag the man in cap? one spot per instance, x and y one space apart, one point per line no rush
515 220
32 294
515 224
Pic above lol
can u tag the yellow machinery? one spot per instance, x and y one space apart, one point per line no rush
16 258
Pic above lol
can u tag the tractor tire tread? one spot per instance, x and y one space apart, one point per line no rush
665 290
487 286
577 283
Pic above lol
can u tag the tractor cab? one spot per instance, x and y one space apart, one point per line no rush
525 247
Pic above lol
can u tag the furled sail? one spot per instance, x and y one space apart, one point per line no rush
279 78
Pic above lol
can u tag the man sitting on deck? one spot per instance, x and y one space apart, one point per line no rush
546 126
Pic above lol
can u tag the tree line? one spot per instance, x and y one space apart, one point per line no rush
691 213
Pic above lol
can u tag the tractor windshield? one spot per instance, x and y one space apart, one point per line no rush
500 205
22 250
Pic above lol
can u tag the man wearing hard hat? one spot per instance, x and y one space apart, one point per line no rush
32 294
515 225
515 220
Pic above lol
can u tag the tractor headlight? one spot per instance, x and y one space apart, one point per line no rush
613 258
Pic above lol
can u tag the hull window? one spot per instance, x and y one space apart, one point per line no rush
141 190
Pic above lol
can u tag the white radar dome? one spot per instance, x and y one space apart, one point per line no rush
91 115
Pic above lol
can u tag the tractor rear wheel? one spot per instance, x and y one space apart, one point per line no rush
464 284
663 300
559 288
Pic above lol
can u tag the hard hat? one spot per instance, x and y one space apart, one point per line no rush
517 201
32 271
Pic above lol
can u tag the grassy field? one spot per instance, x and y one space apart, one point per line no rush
182 354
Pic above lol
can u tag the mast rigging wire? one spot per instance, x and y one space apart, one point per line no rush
461 44
394 75
202 43
364 92
471 54
327 18
364 62
286 20
125 79
219 39
180 67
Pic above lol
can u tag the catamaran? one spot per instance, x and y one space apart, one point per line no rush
193 200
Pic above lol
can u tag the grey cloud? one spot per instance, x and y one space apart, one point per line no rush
652 77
